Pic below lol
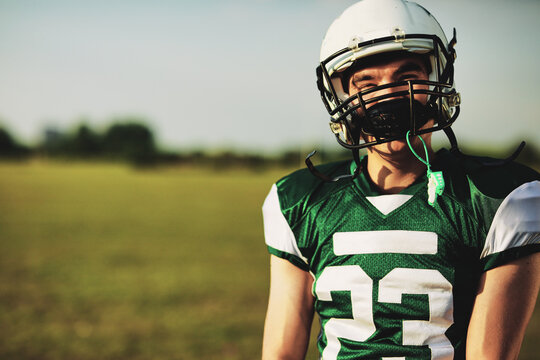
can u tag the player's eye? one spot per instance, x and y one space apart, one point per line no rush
362 85
409 76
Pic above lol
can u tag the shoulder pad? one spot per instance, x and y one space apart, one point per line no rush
303 186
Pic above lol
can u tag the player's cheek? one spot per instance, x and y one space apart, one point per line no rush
423 98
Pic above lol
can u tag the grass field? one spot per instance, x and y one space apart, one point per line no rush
102 261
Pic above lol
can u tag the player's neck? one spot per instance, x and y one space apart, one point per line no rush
392 174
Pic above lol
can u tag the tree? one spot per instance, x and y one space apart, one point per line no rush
130 141
85 142
9 147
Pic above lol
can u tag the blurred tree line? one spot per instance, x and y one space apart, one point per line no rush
131 141
126 141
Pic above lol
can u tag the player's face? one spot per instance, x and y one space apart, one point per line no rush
403 68
394 69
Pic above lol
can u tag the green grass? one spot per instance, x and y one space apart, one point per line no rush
102 261
105 262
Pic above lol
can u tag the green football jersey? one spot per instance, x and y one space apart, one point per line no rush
395 277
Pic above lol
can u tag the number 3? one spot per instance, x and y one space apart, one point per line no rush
397 282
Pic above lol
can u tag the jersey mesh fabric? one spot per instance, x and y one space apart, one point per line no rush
461 219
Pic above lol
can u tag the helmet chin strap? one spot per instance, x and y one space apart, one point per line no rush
326 178
456 151
380 129
382 120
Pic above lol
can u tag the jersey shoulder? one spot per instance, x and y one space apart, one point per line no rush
302 189
497 180
487 176
492 191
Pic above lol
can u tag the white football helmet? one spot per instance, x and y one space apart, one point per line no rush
374 27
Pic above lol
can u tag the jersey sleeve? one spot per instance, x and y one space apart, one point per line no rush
515 229
279 237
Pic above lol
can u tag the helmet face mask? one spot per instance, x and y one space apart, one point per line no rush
390 116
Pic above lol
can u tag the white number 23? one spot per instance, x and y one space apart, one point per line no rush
397 282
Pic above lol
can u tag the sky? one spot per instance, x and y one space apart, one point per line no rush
238 74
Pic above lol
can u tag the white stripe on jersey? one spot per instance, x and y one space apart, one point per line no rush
385 241
277 232
517 220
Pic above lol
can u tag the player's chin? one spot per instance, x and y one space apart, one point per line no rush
393 147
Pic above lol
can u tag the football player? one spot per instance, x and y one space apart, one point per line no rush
405 253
